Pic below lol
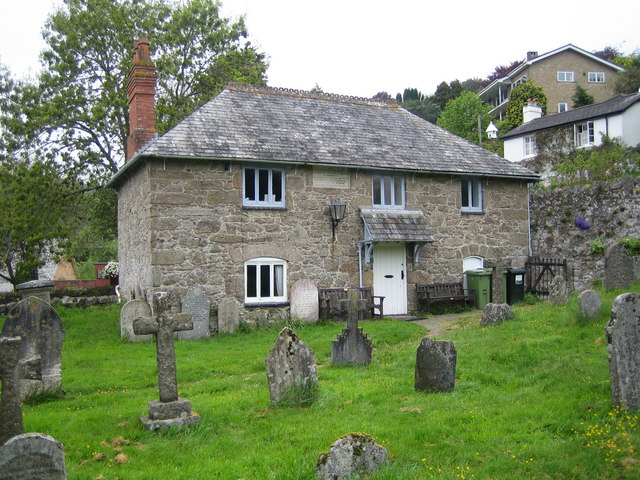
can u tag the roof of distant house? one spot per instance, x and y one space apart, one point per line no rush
612 106
265 124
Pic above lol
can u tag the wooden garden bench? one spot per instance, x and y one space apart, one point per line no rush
431 293
329 301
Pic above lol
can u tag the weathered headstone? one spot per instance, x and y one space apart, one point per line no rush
228 316
42 333
291 369
169 410
10 408
558 290
130 311
435 365
36 288
32 456
623 348
589 304
618 268
351 456
495 313
352 345
198 304
304 301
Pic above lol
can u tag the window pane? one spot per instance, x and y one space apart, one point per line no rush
277 185
465 193
263 185
377 198
252 272
475 202
278 280
398 191
249 184
265 281
386 196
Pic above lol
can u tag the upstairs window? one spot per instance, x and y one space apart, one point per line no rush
471 195
388 191
596 77
584 134
263 187
530 148
563 107
265 280
565 77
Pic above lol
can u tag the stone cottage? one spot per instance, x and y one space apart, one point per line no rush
238 198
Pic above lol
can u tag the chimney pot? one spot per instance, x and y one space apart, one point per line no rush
531 55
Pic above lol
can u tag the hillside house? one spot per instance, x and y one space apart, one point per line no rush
237 198
584 127
557 72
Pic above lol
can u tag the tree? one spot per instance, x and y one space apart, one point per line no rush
581 97
519 97
446 92
36 199
77 113
421 105
460 116
500 71
628 81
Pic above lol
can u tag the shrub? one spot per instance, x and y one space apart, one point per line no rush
631 245
597 246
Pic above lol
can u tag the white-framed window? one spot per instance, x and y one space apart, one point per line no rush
596 77
584 134
265 280
530 149
522 79
471 194
563 107
565 77
263 187
388 191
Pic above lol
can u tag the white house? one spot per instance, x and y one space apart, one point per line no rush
584 127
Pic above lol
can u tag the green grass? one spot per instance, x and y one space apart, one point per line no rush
532 401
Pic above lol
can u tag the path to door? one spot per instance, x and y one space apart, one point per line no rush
441 324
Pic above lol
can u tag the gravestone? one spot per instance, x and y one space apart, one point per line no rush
623 348
435 365
618 268
352 345
198 304
169 410
304 301
228 316
40 328
10 408
32 456
36 288
291 369
589 304
130 311
558 290
495 313
351 456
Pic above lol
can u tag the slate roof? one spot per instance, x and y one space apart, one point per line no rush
265 124
612 106
387 225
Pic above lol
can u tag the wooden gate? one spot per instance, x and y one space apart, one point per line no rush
540 272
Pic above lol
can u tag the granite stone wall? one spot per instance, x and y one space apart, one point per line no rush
610 210
182 223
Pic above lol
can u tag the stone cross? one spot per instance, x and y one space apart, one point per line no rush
163 325
353 305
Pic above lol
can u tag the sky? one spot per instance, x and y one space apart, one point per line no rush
362 47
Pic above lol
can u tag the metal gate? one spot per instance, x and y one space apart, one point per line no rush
540 272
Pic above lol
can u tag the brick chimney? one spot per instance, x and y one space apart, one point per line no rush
531 110
141 90
531 55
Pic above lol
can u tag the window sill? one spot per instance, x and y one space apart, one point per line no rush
266 207
266 304
472 212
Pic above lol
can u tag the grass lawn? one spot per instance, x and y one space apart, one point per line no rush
532 401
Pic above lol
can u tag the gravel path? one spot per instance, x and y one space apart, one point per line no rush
441 324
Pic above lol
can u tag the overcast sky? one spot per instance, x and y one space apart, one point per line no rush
362 47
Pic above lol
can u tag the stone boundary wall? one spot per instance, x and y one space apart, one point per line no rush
611 211
70 302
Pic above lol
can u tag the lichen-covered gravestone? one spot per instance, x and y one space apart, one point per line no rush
589 304
558 290
623 348
435 365
304 301
618 268
169 410
228 316
40 328
355 454
352 345
495 313
130 311
32 456
198 304
291 370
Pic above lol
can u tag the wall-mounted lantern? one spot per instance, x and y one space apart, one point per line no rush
337 210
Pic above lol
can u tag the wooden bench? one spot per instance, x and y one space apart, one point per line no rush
330 307
442 293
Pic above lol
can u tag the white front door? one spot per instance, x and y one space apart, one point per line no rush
390 276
